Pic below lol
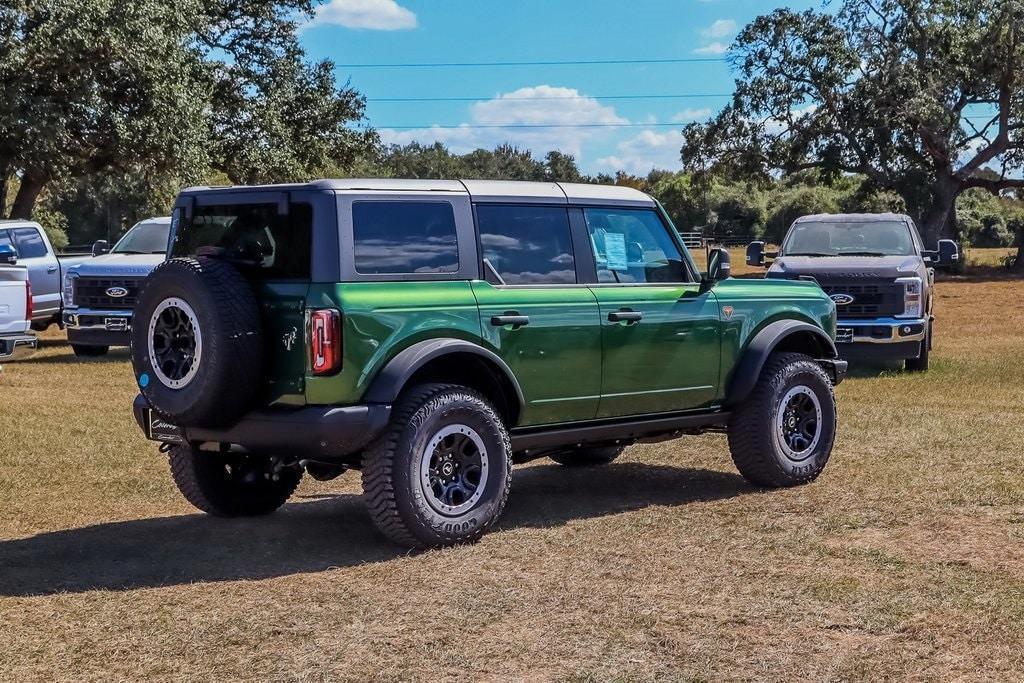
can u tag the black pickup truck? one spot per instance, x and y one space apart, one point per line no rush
876 270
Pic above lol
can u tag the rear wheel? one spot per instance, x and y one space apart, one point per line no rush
84 351
783 434
587 456
440 473
230 484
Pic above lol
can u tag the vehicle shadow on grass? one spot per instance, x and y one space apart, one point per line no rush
327 532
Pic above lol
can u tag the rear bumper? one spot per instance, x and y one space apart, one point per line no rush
18 346
310 432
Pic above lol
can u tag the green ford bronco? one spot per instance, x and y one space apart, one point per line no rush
433 333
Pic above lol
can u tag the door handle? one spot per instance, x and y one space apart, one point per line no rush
51 269
625 316
512 318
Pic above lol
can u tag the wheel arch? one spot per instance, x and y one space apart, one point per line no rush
777 337
451 361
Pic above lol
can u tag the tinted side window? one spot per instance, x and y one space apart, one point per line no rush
527 244
6 239
254 237
404 237
633 246
29 243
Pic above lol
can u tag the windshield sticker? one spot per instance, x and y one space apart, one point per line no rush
615 251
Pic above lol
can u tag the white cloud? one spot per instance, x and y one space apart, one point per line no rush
692 114
647 150
714 48
720 29
518 108
378 15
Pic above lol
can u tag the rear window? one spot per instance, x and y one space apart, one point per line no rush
254 237
404 237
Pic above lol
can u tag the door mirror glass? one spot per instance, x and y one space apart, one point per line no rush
755 254
719 267
949 253
8 257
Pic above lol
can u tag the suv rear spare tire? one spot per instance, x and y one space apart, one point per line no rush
197 347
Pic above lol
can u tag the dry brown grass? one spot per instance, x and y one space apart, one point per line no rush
903 561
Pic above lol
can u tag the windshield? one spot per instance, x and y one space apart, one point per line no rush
144 238
853 238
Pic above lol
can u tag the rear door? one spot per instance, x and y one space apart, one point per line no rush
535 313
660 330
34 252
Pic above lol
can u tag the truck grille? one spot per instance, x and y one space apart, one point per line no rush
869 301
91 292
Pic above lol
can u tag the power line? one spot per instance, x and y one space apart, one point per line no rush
575 62
542 125
548 97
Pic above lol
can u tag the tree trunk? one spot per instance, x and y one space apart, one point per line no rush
1018 265
940 219
32 183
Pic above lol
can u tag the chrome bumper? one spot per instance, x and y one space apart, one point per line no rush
89 319
17 347
881 331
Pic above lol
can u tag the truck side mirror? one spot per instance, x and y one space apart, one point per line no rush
8 256
719 267
949 252
100 247
755 254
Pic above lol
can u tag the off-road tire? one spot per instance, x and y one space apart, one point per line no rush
392 491
752 428
587 456
204 480
920 364
230 364
83 351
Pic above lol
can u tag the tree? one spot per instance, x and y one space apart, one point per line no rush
168 90
917 96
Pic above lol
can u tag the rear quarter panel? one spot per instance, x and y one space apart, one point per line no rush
379 320
748 305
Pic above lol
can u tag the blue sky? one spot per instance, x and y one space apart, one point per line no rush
461 31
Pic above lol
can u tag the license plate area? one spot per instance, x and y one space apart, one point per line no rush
116 324
159 429
844 335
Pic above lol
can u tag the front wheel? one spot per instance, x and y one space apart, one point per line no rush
231 484
920 364
440 473
783 434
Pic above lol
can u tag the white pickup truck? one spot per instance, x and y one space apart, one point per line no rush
15 306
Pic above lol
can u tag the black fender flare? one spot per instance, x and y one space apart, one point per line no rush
393 377
748 370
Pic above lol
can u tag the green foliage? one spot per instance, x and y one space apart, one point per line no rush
792 203
55 224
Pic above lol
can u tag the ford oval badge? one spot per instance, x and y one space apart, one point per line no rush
117 292
842 299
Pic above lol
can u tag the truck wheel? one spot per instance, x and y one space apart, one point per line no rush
783 434
920 364
587 457
197 343
440 473
89 351
229 484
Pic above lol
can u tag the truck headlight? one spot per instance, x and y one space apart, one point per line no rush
69 288
913 305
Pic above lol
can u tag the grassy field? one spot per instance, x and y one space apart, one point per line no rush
905 560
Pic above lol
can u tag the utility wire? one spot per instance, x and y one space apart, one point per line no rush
542 125
576 62
548 97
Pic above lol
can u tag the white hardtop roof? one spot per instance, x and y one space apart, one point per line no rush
853 217
478 190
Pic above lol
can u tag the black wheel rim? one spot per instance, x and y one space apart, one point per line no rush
175 343
798 423
453 470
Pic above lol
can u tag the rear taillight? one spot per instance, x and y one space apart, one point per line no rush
28 301
325 341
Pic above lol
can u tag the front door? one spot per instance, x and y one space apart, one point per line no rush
535 315
660 332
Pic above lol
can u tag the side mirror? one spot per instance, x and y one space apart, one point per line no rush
8 256
949 253
719 267
100 247
755 254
